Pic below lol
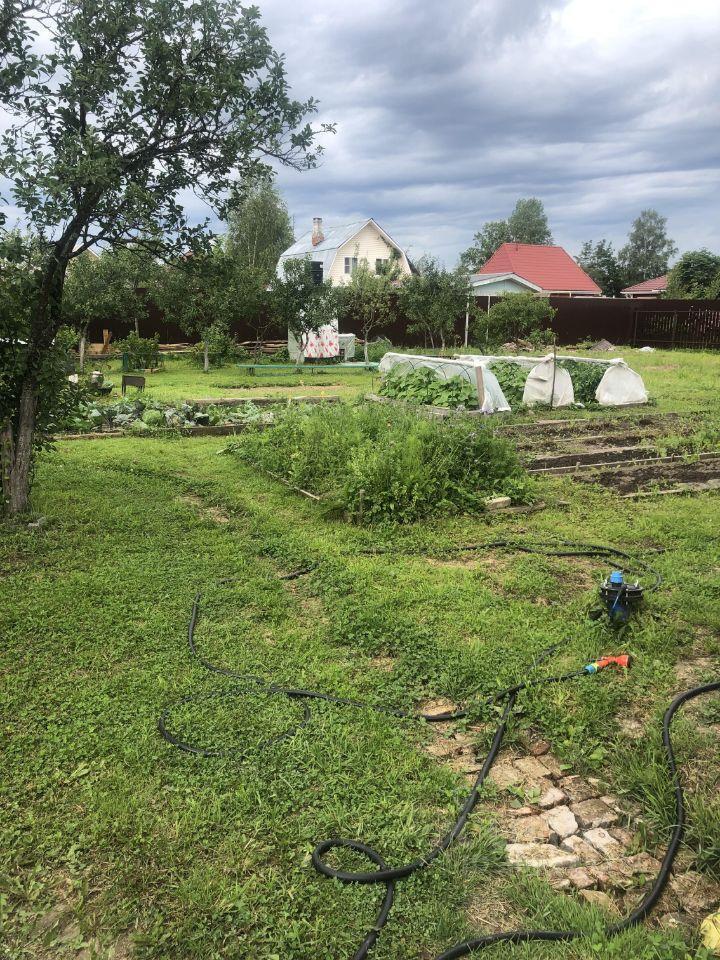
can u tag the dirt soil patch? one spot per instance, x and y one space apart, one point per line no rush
208 510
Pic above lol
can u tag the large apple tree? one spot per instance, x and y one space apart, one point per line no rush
120 110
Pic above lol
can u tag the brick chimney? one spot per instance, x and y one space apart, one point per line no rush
317 233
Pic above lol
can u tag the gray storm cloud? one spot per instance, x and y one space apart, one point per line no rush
447 112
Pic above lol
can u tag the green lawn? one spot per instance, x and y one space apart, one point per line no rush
117 845
181 380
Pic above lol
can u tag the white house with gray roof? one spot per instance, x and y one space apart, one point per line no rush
338 250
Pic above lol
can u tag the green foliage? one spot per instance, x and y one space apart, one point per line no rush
696 276
433 299
259 228
19 261
83 413
143 352
222 348
110 288
526 224
518 316
299 304
424 387
648 250
381 465
585 378
117 162
127 106
367 299
377 349
485 242
512 378
600 262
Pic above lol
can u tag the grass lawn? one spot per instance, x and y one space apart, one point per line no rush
113 844
181 380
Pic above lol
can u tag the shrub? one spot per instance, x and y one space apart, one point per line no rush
142 352
519 316
376 349
424 387
379 465
222 348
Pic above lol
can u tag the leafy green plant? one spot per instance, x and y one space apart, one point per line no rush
86 414
376 349
585 378
424 387
517 316
379 465
512 378
143 352
222 348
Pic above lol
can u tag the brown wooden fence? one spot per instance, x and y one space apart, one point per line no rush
657 323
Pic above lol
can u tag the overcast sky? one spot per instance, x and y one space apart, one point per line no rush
449 111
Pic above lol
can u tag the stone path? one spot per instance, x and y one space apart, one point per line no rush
577 833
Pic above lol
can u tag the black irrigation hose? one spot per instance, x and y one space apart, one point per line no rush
389 875
553 548
654 893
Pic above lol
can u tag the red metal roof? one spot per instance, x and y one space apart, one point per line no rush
648 286
551 268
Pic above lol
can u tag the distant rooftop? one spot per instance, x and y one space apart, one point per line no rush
551 268
656 285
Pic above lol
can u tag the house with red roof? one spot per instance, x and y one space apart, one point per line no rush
647 288
533 268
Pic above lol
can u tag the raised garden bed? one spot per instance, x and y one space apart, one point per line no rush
140 416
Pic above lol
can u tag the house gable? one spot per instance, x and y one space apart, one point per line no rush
370 243
363 239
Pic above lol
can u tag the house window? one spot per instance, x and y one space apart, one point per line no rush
381 265
317 272
350 264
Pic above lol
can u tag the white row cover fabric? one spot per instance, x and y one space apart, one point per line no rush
493 400
549 384
620 386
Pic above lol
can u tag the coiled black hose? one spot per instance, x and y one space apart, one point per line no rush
389 875
654 893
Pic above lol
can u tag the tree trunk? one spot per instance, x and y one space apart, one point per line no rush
365 349
137 326
6 462
442 341
81 363
206 356
23 449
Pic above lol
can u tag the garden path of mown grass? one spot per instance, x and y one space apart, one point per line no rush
206 858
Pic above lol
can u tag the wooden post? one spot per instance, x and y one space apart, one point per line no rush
480 384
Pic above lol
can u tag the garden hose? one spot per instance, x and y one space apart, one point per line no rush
387 875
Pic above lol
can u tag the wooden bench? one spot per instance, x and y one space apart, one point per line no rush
128 380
